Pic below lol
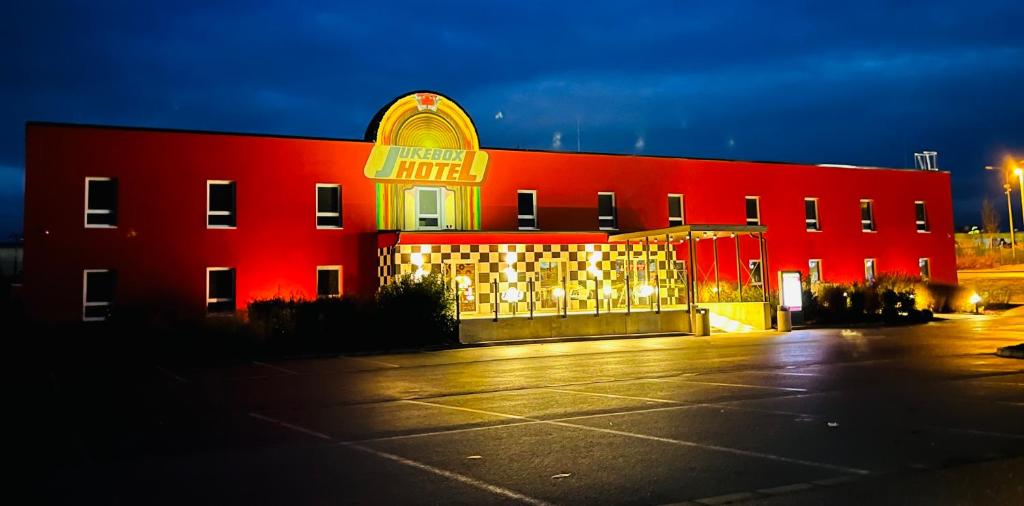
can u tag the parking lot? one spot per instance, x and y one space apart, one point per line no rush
916 415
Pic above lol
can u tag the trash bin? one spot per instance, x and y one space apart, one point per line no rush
785 319
702 325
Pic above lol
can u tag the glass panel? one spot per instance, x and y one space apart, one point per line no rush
101 311
925 268
227 220
605 205
811 209
109 219
755 272
327 283
103 195
606 223
222 197
525 204
466 284
527 223
222 284
752 209
548 285
814 268
328 199
675 207
865 211
428 202
328 221
99 286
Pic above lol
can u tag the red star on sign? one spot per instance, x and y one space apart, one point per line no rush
427 101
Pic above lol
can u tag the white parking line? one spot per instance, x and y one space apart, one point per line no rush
613 396
282 369
678 442
741 385
461 478
177 378
371 361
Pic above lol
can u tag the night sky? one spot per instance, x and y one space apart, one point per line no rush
866 83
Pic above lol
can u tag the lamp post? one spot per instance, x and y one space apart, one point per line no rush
1009 211
1020 185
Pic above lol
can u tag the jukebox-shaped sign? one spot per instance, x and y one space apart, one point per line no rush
427 162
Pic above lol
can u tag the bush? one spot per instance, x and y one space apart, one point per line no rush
416 312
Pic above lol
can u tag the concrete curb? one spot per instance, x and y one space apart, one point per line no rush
1011 351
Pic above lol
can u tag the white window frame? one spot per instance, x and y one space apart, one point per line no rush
88 211
214 300
209 183
527 216
676 221
760 270
440 207
817 216
335 268
757 201
85 296
319 214
809 270
615 212
874 269
917 222
871 213
926 261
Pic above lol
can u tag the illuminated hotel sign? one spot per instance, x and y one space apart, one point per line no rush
398 164
426 138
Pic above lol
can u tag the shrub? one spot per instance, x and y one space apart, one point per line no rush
417 311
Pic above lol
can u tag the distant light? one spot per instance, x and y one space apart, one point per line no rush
558 292
975 298
1018 171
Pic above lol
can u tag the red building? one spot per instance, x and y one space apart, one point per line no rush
208 221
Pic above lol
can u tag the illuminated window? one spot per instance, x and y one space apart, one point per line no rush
811 215
867 215
869 269
466 285
549 286
328 206
753 210
756 276
925 266
220 290
100 202
428 208
607 214
526 201
220 204
328 281
675 210
97 294
814 271
921 216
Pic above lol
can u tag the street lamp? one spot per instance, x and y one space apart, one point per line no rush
1009 211
1020 182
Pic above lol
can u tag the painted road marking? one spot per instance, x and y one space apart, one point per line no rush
177 378
461 478
741 385
371 361
613 396
678 442
786 489
282 369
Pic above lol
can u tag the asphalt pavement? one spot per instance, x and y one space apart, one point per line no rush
923 414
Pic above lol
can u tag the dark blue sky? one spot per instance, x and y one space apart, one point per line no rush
864 83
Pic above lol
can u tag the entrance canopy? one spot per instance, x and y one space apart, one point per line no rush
681 232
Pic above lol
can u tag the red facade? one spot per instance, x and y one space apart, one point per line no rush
161 245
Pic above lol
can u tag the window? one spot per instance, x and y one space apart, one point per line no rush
867 216
328 281
756 278
220 204
811 215
921 216
607 215
675 210
527 204
100 202
428 208
869 269
328 206
925 266
220 290
814 271
753 210
97 294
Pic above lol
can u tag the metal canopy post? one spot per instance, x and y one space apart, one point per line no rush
763 267
718 285
739 271
693 270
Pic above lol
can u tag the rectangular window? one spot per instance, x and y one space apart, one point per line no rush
753 210
100 202
675 210
328 206
607 214
328 281
220 290
220 204
526 201
814 271
867 215
428 208
97 294
921 216
756 276
811 215
925 266
869 269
